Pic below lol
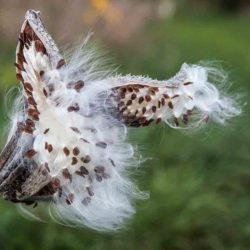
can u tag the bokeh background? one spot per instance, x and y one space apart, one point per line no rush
199 183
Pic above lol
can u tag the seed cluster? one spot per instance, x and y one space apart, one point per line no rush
27 37
80 166
140 105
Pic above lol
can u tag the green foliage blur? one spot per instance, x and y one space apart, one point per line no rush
199 183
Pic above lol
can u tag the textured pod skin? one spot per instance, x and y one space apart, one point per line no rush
22 180
67 144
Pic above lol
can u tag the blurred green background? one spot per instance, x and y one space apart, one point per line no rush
199 183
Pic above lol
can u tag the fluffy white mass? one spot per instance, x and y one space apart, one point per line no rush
75 116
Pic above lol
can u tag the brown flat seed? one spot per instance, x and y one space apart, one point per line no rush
31 101
175 96
158 120
66 174
46 145
20 58
41 73
74 107
154 109
50 148
46 131
141 99
165 96
144 109
90 191
75 129
76 151
148 98
86 201
55 182
74 161
30 153
187 83
129 102
159 104
84 140
79 85
40 47
112 162
86 159
60 63
130 89
66 151
19 77
18 66
123 90
84 170
69 199
133 96
101 144
170 105
28 86
99 169
45 92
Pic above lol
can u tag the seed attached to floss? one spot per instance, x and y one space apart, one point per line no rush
74 161
86 159
66 151
76 151
66 174
90 191
101 144
79 85
86 201
46 131
56 183
30 153
60 63
50 148
70 198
